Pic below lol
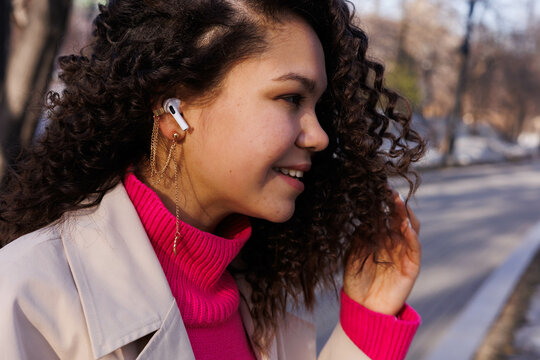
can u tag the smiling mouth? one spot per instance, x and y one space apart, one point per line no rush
295 174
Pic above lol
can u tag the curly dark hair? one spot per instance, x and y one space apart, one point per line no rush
145 51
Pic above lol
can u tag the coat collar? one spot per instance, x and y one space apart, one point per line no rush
123 290
125 294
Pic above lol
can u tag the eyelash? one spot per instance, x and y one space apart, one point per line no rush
294 99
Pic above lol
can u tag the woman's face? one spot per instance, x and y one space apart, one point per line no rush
262 124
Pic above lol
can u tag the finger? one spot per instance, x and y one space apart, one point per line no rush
405 210
414 221
395 239
399 220
411 237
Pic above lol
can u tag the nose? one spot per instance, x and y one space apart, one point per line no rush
312 136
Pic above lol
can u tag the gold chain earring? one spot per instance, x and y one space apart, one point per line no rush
159 173
153 151
176 201
153 146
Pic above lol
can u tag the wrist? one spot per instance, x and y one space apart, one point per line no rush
374 303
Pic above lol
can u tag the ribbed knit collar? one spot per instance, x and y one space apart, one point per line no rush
202 258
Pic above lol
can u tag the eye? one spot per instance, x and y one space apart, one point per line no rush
294 99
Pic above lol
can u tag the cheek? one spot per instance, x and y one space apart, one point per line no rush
277 134
260 141
248 141
248 164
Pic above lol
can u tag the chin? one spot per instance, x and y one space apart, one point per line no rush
280 216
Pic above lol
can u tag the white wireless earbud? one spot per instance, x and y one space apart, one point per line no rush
172 106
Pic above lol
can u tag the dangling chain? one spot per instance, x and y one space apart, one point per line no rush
153 151
154 172
153 146
176 201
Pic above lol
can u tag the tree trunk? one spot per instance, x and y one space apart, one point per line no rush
29 68
455 117
401 55
5 10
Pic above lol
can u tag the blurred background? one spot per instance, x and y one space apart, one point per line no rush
471 70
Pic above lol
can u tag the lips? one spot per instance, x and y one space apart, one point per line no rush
291 172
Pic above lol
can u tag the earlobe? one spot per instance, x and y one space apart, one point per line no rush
169 128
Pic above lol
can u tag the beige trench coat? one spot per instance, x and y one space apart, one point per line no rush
91 287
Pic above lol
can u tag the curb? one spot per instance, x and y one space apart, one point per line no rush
509 160
466 334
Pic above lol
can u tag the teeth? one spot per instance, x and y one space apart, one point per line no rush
291 172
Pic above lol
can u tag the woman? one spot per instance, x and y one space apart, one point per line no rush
188 128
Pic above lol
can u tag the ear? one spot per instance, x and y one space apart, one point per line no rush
168 127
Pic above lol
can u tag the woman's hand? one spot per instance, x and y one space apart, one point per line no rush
384 287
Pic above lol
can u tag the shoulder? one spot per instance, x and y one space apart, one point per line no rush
34 268
35 256
24 256
39 301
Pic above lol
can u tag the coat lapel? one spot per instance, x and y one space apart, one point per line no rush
170 341
124 293
250 326
295 338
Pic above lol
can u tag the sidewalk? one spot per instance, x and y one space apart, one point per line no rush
526 338
468 332
514 335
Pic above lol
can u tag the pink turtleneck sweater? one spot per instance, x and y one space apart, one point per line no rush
208 297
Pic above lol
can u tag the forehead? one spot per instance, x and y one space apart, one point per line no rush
292 48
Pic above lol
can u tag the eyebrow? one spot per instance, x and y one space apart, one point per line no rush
309 84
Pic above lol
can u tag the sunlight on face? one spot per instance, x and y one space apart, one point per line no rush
260 127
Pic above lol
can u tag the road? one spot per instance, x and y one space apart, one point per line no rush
472 219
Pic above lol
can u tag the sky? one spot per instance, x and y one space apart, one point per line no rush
505 15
